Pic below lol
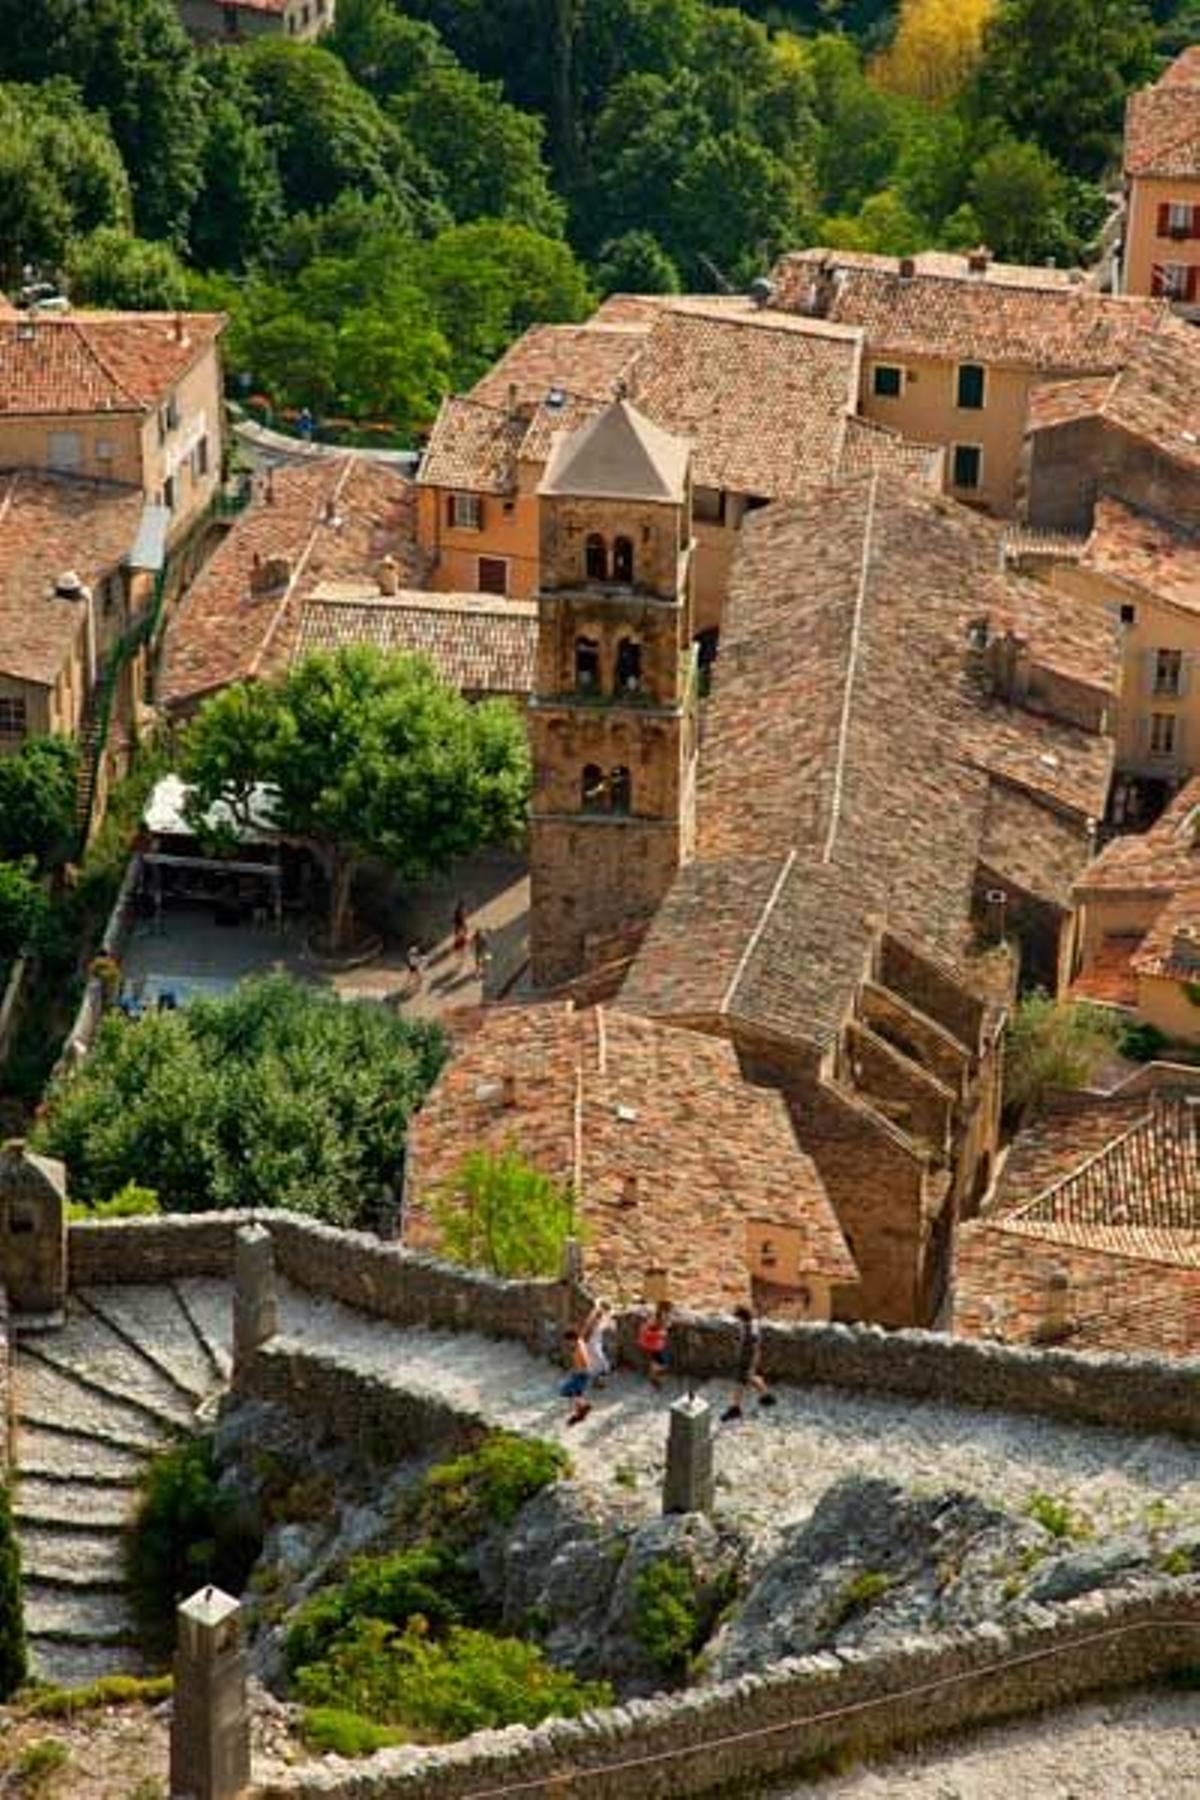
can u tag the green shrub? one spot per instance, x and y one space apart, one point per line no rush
860 1592
500 1213
487 1486
1142 1042
13 1661
109 1690
424 1582
1177 1562
444 1689
39 1763
186 1534
329 1731
1057 1517
667 1620
129 1202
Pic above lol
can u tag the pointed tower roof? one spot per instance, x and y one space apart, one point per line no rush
618 455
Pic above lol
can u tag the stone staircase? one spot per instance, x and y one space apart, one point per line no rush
93 1402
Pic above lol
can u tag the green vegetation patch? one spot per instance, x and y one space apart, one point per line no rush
109 1690
486 1486
1058 1517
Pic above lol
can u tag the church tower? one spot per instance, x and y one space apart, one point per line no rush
612 720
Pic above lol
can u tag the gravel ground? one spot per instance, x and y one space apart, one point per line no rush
1145 1743
773 1468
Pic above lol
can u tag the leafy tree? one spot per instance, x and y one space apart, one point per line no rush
110 268
293 357
882 224
487 155
383 50
275 1095
239 207
24 908
370 756
933 165
394 363
1019 195
188 1531
636 263
738 205
488 282
500 1213
1052 1044
37 800
1058 71
131 60
60 173
13 1660
862 127
936 48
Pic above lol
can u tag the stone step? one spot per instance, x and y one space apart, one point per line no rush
151 1320
84 1616
72 1557
102 1504
92 1351
209 1305
70 1447
51 1389
78 1665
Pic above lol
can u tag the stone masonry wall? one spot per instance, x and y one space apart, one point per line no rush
6 1395
742 1732
1141 1393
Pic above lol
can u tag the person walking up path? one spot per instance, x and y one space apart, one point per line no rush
575 1387
749 1373
598 1322
652 1342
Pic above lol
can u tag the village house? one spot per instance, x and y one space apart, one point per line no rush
330 520
954 347
1139 922
481 644
1162 186
687 1180
234 21
1091 1239
769 403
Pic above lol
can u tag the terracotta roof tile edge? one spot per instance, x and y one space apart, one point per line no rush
753 940
301 564
868 545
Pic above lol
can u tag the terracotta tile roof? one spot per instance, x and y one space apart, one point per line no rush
1108 977
601 1096
1155 397
473 445
1171 947
1157 861
581 359
98 362
851 746
869 447
1037 319
1032 543
327 519
1146 552
1162 123
478 642
619 454
49 524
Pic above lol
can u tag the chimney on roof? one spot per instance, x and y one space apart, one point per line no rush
762 290
388 576
269 573
1055 1322
1008 667
179 333
508 1090
269 488
908 267
26 328
329 512
978 261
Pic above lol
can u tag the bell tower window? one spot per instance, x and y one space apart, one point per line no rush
620 789
596 557
587 664
594 794
629 667
623 560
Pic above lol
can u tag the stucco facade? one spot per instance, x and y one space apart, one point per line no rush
1162 238
923 398
234 21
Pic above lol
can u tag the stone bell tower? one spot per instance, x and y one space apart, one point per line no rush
613 717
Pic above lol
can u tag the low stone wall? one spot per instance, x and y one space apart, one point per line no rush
746 1731
1138 1393
6 1393
378 1416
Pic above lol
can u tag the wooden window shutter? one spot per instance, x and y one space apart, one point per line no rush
1149 671
1194 221
1164 218
1186 662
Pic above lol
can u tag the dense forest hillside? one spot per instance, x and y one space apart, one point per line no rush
381 212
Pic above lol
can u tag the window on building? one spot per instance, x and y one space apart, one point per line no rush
887 381
168 498
13 721
1181 219
200 458
709 504
493 575
620 790
1162 734
1168 667
65 450
587 664
623 559
1128 613
465 512
972 381
105 450
968 466
595 557
629 667
1175 281
594 789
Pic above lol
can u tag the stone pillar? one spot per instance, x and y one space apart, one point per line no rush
210 1720
255 1308
688 1483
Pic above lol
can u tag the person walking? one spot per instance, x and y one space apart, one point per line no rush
416 966
575 1387
598 1322
652 1342
483 953
749 1373
461 931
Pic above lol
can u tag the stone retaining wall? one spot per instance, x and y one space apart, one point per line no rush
1139 1393
730 1735
6 1393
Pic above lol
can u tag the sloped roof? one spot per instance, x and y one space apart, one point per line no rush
1143 551
618 455
1161 860
601 1096
480 643
1155 396
1162 123
97 362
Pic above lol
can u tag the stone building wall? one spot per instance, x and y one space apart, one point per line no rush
592 876
734 1735
924 1105
656 532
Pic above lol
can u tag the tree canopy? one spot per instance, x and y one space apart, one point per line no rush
500 1213
275 1095
37 801
369 756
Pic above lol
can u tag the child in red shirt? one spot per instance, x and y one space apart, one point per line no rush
652 1340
